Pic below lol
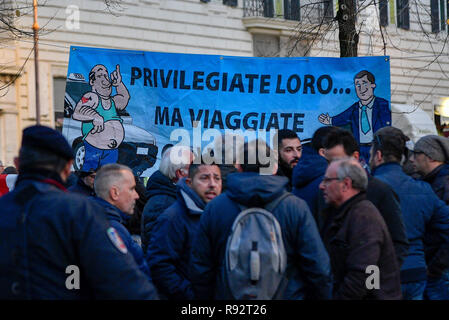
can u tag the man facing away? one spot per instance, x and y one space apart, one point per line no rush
357 237
171 242
308 267
423 213
115 187
46 232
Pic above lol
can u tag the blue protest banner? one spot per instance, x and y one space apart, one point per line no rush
123 106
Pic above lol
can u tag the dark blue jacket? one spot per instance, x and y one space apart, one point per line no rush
161 193
308 263
307 176
439 181
43 230
170 244
116 218
81 188
422 213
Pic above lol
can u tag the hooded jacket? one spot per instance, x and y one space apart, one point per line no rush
171 241
308 263
307 176
161 193
423 213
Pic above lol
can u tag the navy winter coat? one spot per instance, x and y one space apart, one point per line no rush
307 260
307 176
43 230
161 193
170 244
423 213
439 181
116 218
82 188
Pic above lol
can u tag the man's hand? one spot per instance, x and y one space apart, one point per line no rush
98 123
324 118
116 77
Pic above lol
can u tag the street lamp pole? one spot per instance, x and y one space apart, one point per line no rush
36 63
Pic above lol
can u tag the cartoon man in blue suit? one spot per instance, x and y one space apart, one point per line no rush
364 117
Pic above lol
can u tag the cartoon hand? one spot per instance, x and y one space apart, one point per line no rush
324 118
98 123
116 77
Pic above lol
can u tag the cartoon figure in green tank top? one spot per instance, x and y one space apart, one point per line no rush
102 127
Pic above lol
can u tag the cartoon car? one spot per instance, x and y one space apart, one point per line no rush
138 149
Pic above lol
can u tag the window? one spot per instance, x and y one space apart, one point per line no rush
383 12
439 11
327 9
400 16
232 3
58 101
403 14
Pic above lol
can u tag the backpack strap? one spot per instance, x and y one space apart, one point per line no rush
271 205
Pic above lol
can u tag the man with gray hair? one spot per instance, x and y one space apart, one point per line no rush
115 188
356 237
161 187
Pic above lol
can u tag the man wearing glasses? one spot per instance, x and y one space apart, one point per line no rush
357 238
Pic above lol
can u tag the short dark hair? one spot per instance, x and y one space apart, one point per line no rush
391 142
319 135
194 167
33 158
285 134
368 75
251 150
341 137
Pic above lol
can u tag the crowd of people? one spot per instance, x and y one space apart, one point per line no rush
322 223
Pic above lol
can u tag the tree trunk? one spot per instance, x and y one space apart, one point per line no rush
349 38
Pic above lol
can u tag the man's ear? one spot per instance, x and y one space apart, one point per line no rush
379 156
238 167
114 193
321 152
189 182
65 173
356 155
373 85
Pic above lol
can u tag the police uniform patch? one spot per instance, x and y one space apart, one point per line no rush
116 240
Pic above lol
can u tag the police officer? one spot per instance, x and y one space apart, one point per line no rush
54 244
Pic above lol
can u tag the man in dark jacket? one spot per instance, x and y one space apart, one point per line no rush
85 183
342 144
423 213
289 153
307 260
116 189
51 238
161 187
430 158
309 171
171 242
356 237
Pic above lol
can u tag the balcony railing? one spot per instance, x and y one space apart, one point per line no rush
288 9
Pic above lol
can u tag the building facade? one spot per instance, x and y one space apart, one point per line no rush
414 33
